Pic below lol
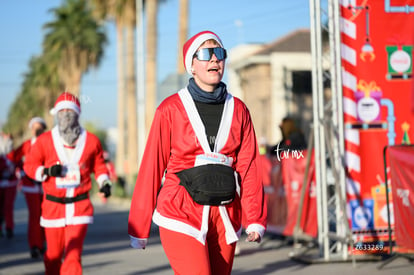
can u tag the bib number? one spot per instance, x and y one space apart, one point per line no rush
213 158
70 178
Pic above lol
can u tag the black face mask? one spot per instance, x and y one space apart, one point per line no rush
39 131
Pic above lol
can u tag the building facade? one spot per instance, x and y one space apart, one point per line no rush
274 80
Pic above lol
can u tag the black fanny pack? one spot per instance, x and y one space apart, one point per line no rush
210 184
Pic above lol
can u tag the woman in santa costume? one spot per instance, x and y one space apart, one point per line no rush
32 189
63 159
203 142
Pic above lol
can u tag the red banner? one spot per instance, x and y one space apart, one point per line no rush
401 159
283 202
276 201
377 39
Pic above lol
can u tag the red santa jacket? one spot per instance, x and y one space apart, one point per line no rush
86 157
7 173
18 156
176 137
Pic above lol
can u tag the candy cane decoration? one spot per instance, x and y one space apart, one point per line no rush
349 60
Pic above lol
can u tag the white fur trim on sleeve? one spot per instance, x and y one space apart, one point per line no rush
255 227
39 176
138 243
101 179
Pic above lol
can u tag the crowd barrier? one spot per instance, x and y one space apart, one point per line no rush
284 195
401 166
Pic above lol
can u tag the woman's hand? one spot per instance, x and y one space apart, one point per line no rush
253 237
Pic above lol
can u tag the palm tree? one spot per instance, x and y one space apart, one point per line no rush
125 16
114 10
46 83
123 13
120 147
40 85
151 62
77 39
182 33
73 43
23 108
131 88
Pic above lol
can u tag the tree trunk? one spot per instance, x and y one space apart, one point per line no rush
182 34
120 147
151 63
131 104
72 72
49 102
71 77
77 78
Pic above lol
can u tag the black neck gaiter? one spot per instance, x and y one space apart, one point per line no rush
217 96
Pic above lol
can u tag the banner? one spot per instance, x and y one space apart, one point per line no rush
401 160
276 201
377 38
283 203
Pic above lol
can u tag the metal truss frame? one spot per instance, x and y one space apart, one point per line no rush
334 235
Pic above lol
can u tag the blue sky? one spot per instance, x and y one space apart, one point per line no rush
235 21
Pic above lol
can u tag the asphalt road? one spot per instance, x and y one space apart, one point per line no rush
107 251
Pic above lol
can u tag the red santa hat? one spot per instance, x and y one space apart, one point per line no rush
191 46
66 101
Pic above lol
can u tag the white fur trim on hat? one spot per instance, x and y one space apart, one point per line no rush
37 120
194 46
65 105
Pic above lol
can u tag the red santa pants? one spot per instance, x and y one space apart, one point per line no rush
35 233
7 198
66 242
189 256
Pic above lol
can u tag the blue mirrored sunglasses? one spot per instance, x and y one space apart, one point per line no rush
205 54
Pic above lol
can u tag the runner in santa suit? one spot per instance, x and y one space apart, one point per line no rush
111 173
63 159
200 127
8 190
32 189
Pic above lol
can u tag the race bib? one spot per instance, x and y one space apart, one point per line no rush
70 178
213 158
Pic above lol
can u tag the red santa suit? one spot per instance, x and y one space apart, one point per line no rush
176 142
8 189
34 195
66 207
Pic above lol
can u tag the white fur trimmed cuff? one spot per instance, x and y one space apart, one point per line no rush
138 243
255 227
39 176
101 178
